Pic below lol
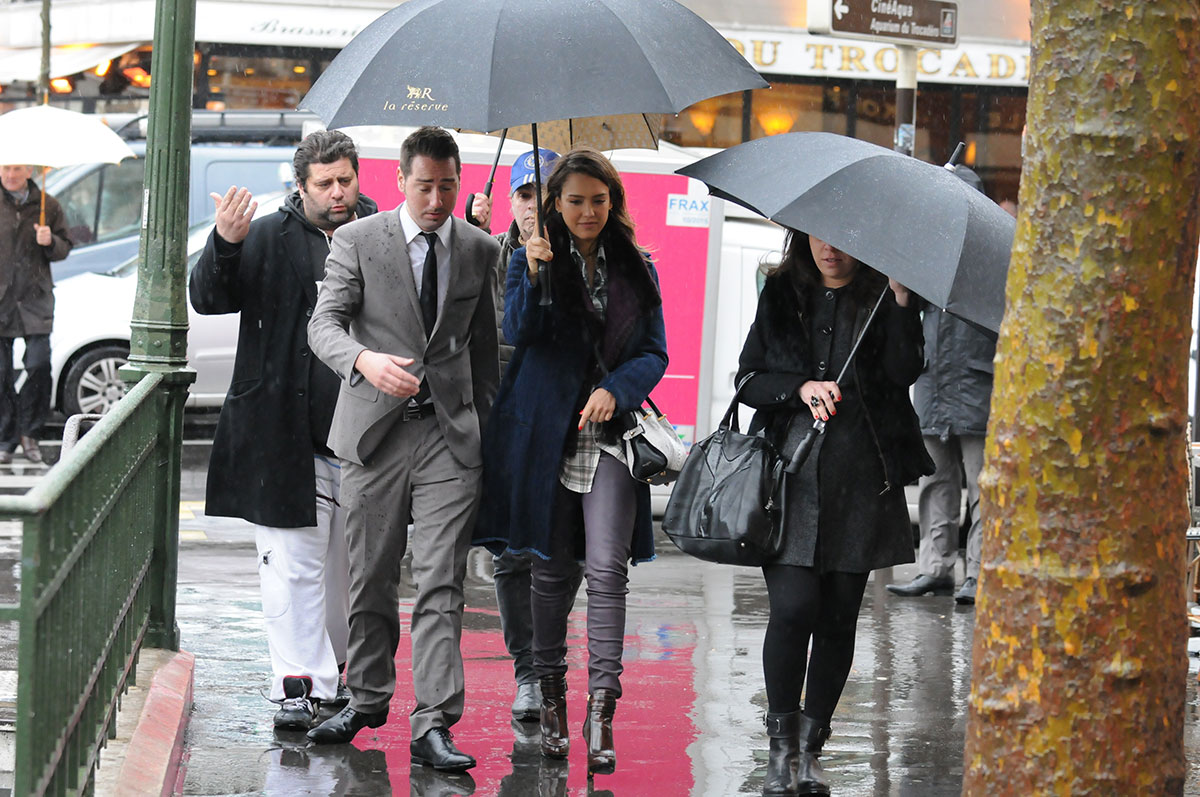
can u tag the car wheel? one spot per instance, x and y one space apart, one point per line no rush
92 384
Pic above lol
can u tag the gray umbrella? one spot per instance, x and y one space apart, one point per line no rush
492 64
913 221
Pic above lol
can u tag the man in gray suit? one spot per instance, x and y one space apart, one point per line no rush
405 317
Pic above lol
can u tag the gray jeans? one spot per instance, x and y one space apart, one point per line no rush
607 514
941 494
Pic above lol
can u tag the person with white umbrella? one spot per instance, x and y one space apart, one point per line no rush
30 240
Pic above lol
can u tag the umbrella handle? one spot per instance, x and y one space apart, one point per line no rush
42 212
487 188
800 455
543 270
468 213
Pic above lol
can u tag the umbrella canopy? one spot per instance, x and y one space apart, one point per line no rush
53 138
491 64
625 131
915 222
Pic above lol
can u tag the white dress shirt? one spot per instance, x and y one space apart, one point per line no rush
417 247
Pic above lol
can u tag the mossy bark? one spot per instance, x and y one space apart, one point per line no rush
1080 670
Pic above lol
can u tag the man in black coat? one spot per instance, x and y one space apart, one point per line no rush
270 464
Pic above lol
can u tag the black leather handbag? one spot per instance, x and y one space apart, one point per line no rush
727 504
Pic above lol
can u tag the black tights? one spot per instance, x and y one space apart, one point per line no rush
806 603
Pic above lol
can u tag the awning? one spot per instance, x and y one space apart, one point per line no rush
25 63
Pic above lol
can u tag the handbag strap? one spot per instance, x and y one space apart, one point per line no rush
730 419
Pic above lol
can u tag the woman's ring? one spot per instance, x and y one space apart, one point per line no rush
816 402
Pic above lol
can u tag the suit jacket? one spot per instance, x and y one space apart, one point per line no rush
369 300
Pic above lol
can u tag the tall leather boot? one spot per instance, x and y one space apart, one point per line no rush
784 754
555 743
810 777
598 732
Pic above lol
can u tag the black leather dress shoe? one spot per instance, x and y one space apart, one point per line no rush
966 593
341 727
924 585
436 749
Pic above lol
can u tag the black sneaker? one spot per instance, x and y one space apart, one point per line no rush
298 711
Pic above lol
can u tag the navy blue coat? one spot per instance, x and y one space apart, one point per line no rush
526 433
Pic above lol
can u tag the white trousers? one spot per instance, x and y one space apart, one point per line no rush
305 578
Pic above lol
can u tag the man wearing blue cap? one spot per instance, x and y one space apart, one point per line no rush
511 571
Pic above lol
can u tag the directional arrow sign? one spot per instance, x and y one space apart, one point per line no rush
929 23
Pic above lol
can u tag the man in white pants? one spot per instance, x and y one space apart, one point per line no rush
270 464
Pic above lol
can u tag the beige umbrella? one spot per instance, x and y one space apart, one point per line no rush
622 131
52 138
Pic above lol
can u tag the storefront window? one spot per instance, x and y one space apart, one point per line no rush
227 79
875 114
788 107
716 122
989 124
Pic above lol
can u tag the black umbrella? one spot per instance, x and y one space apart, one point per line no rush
491 64
915 222
494 64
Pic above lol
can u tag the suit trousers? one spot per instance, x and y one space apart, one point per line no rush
411 473
606 515
305 590
938 505
23 412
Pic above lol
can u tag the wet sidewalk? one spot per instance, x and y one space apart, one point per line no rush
690 721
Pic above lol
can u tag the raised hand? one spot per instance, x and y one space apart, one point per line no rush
235 210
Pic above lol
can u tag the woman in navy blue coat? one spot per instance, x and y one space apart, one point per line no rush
555 478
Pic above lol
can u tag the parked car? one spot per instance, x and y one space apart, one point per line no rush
103 202
91 334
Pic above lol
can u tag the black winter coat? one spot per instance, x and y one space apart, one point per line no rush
845 511
280 403
888 361
954 392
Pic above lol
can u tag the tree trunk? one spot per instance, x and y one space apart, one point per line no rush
1078 683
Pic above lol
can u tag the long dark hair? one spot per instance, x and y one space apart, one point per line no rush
622 252
799 269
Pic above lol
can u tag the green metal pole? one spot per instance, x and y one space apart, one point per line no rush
159 342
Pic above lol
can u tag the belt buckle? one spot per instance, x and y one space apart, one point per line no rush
412 412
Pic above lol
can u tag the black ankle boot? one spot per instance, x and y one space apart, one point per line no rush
783 757
810 777
598 732
555 743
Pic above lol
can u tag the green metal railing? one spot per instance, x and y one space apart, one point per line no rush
101 530
94 552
